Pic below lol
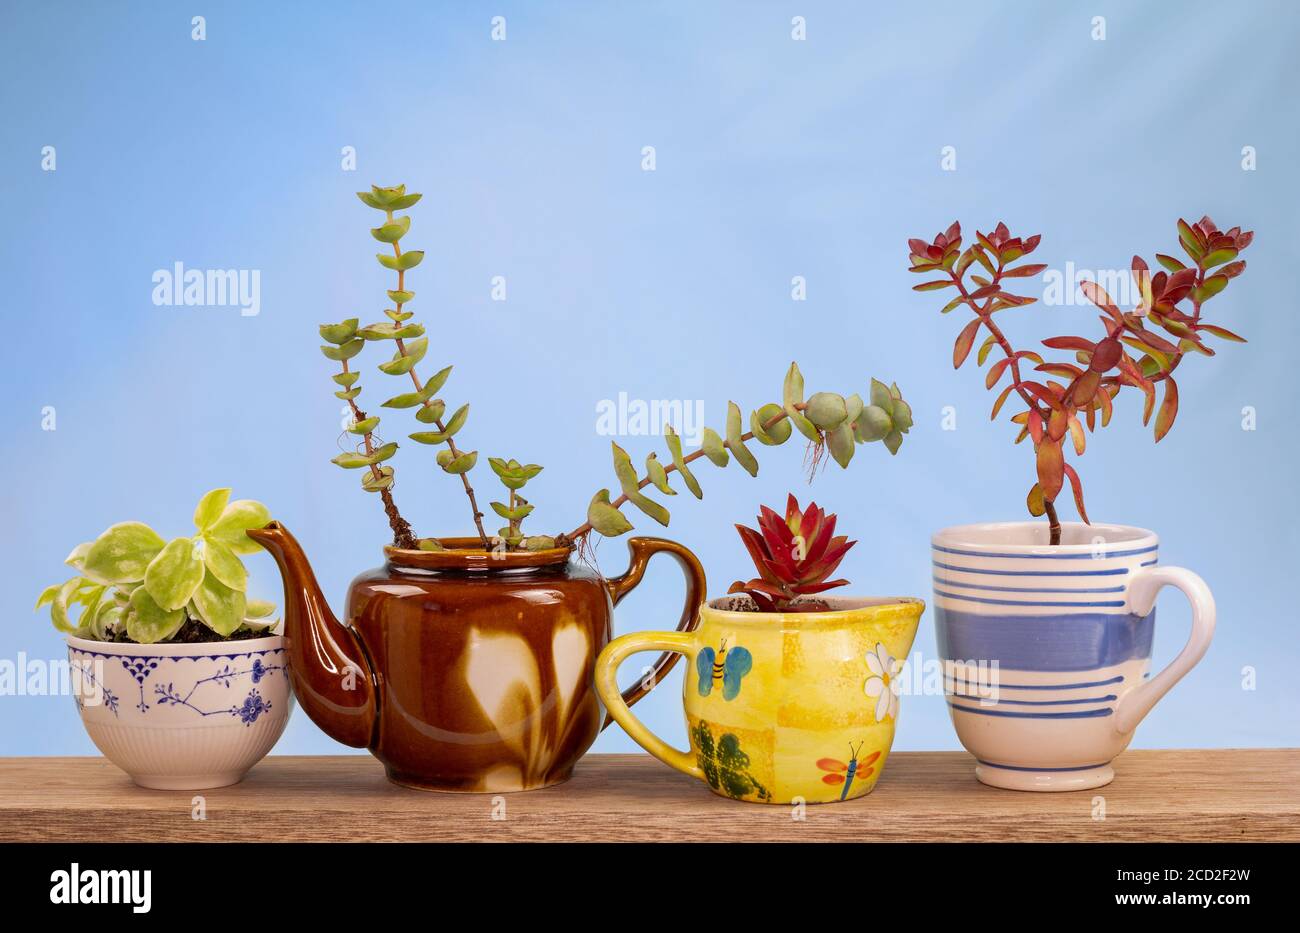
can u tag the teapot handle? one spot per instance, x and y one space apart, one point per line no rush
642 550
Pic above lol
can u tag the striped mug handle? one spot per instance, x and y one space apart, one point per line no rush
1142 591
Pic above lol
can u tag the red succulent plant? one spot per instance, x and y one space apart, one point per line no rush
1129 352
795 556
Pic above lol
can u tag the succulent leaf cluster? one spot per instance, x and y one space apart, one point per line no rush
795 557
826 420
130 581
1139 348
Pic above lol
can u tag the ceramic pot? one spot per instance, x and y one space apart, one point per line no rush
1047 649
463 669
781 706
182 716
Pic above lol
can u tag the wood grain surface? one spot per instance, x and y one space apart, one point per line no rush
1217 795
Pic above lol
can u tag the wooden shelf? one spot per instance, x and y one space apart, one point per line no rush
1215 796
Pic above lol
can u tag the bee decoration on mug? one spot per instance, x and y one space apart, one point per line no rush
726 666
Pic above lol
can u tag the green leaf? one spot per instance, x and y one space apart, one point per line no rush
411 399
364 426
456 422
735 444
48 594
840 442
77 556
431 412
173 575
517 514
430 544
675 448
346 379
238 517
393 331
372 484
779 432
408 260
658 475
339 333
391 233
606 519
893 440
221 608
826 410
629 483
121 554
873 424
345 352
148 623
714 449
401 297
210 508
59 605
349 395
462 464
401 363
792 390
225 565
382 453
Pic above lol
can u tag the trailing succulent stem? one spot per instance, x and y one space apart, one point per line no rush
1089 385
828 422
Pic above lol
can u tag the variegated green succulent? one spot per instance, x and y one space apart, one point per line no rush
828 421
133 584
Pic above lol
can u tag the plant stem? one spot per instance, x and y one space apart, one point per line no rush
403 537
1053 523
776 419
985 315
451 443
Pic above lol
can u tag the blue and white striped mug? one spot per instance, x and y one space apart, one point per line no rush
1047 649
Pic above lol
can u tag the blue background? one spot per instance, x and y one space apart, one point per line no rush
775 158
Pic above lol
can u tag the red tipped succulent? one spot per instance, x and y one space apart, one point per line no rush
794 555
1139 348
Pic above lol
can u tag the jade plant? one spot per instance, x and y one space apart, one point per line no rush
827 421
131 585
794 556
1140 348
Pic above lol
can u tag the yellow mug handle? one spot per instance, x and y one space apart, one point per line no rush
615 653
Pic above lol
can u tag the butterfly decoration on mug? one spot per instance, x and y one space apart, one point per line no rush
725 666
845 773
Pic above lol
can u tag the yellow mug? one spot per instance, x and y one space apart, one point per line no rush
780 706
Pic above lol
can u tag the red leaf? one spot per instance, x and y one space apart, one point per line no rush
997 406
1168 409
1035 426
1051 469
965 340
1223 332
1097 295
995 373
1024 272
1069 343
1077 487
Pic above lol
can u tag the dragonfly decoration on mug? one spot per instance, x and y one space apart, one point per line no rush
842 773
725 666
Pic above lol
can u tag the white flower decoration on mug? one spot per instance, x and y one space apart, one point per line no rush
883 684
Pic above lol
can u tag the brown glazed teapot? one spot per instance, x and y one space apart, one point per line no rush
464 669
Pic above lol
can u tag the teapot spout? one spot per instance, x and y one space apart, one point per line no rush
327 668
